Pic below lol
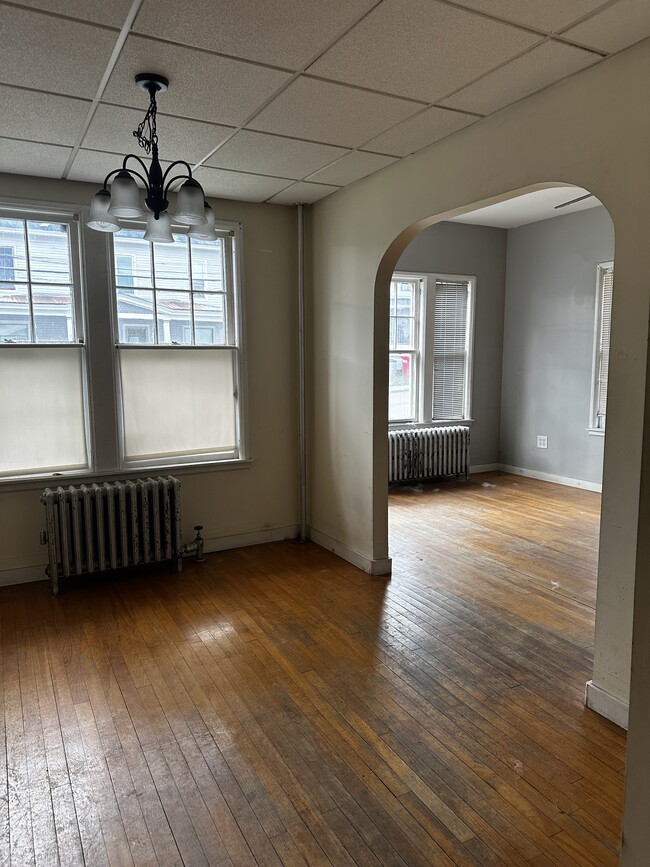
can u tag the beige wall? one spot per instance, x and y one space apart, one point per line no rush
592 130
261 499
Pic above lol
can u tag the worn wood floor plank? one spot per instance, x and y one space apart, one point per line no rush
276 706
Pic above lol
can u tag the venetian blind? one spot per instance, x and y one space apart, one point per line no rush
450 350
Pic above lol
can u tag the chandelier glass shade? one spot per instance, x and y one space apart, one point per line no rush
123 200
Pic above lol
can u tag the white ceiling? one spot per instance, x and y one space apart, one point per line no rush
530 208
281 100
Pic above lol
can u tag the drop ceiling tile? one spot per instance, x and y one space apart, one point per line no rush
533 71
93 166
34 116
112 14
273 155
331 113
29 158
53 54
548 15
178 138
287 33
202 86
351 168
419 131
303 193
420 49
222 184
616 27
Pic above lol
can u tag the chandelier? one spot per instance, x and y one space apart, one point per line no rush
123 199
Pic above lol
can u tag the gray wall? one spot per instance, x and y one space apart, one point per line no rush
548 343
480 251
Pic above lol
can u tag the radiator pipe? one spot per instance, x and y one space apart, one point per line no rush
301 373
196 547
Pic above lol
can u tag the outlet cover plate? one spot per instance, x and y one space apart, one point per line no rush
542 442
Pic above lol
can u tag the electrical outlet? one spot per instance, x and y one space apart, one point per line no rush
542 442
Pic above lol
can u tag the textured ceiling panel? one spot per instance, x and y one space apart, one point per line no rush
303 193
51 54
93 166
548 15
351 168
420 49
419 131
202 86
27 158
27 114
331 113
273 155
533 71
616 27
110 13
238 185
287 33
179 139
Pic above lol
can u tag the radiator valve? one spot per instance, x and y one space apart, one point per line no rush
196 547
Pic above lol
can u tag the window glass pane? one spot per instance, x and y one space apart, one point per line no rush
174 317
41 410
49 252
14 314
210 319
13 255
207 266
405 298
53 314
135 317
132 259
197 384
172 264
401 387
404 333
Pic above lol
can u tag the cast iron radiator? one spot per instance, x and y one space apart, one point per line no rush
427 453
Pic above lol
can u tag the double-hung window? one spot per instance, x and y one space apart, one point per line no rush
605 288
431 328
147 376
177 347
43 425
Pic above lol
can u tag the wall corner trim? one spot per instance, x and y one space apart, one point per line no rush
372 567
606 704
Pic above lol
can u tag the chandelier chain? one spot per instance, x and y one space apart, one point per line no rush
146 133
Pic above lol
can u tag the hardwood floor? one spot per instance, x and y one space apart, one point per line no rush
276 706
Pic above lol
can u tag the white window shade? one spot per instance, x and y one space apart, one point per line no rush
450 349
177 402
41 410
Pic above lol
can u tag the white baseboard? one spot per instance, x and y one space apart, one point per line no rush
484 468
256 537
607 705
551 477
372 567
23 575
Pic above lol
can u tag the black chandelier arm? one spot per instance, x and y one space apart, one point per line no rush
145 178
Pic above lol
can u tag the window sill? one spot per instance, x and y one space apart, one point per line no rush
595 431
401 425
81 477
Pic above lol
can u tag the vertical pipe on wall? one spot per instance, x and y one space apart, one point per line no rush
301 373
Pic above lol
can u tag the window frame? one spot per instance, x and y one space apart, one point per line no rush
93 307
233 272
594 426
425 329
416 351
